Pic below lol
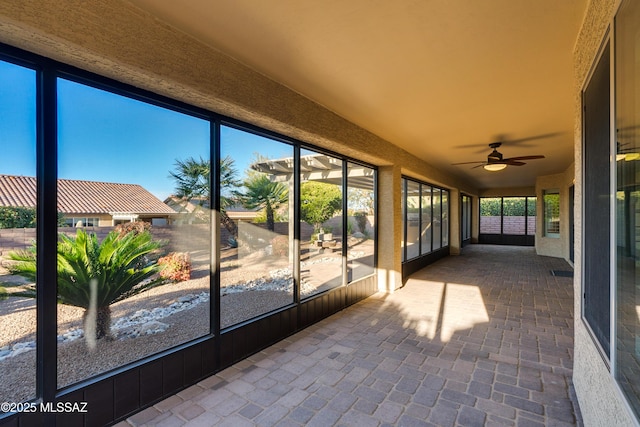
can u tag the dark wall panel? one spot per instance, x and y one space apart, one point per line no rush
150 382
100 403
33 419
226 349
410 267
245 340
192 364
76 418
13 422
360 290
506 239
126 393
209 356
172 372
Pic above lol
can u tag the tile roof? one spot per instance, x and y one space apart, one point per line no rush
84 196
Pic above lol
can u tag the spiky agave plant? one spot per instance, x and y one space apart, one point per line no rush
118 267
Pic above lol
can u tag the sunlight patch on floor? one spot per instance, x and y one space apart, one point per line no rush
463 309
438 310
423 309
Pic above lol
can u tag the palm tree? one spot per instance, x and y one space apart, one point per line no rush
99 273
193 178
261 192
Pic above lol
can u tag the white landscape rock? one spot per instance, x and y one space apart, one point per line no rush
147 321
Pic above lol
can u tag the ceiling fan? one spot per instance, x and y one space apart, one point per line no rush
496 162
627 151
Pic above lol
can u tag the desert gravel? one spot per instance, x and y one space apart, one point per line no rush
77 362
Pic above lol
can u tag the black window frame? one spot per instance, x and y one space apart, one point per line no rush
501 238
414 264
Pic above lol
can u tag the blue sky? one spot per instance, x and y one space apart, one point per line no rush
108 137
17 120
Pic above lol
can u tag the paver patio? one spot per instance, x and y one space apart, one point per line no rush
484 338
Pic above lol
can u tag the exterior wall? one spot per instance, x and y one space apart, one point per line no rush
390 233
601 402
454 222
491 224
104 220
554 246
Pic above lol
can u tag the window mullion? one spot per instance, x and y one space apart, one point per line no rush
46 161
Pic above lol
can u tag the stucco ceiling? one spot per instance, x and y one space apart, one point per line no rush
441 79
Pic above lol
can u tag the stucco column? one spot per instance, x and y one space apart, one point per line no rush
389 228
454 222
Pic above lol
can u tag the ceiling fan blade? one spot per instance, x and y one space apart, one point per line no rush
532 138
525 158
468 163
511 162
480 165
506 141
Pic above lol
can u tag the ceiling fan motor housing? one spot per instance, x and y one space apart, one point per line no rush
495 156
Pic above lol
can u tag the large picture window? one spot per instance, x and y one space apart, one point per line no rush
426 234
256 251
138 288
321 215
514 215
412 220
361 225
596 213
425 219
508 220
17 231
465 218
627 315
551 201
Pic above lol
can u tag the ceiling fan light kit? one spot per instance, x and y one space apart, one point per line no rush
627 157
495 161
494 167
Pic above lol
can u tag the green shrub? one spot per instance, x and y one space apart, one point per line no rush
136 227
116 268
16 217
175 266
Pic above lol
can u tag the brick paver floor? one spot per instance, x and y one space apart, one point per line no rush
484 338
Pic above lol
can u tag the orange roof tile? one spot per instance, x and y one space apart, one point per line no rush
84 196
